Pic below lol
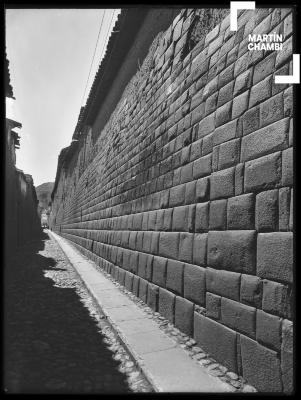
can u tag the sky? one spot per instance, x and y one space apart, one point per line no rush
50 53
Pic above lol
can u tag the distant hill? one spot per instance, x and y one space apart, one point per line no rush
44 195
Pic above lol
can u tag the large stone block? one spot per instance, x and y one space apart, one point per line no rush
261 91
251 290
271 110
268 330
194 283
177 196
232 250
159 271
287 167
180 219
229 153
186 247
202 167
240 212
202 217
223 283
277 298
174 276
287 356
261 366
167 304
202 189
251 120
284 208
143 284
184 315
152 296
218 215
266 211
263 173
266 140
275 256
224 133
238 316
169 244
208 333
200 249
213 306
222 184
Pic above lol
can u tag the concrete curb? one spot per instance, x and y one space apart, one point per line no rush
164 364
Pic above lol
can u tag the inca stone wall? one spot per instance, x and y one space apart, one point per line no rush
186 195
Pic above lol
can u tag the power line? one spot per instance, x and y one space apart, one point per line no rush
93 56
105 41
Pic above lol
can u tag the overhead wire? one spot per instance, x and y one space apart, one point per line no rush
101 24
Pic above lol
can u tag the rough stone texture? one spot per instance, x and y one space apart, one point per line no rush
251 290
268 330
224 283
240 212
261 366
232 250
183 161
238 316
184 315
207 333
266 211
194 283
287 359
277 298
167 304
275 256
213 305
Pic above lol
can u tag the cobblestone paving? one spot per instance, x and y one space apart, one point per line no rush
55 338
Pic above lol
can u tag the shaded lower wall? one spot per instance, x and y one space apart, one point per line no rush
186 195
22 223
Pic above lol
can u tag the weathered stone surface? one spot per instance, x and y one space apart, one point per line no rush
167 304
229 153
174 276
169 244
218 215
152 296
223 283
240 212
222 184
238 316
277 298
194 283
266 211
186 247
184 315
287 167
213 305
251 290
202 217
143 284
266 140
287 356
268 330
284 208
207 333
275 256
159 271
232 250
263 173
200 249
261 366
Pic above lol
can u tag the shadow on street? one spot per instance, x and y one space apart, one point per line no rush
51 344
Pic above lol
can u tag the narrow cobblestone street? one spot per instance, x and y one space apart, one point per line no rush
52 344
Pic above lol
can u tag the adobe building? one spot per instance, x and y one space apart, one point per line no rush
179 181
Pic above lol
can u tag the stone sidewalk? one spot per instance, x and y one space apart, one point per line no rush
163 362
